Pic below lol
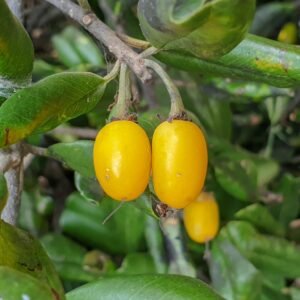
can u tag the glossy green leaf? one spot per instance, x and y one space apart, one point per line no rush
42 69
84 46
215 115
146 287
289 188
260 170
68 258
77 156
254 59
3 192
233 276
259 216
89 188
204 28
266 253
16 52
122 233
48 103
22 252
249 90
137 263
17 285
295 293
66 52
235 179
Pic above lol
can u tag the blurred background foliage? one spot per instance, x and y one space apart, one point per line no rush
254 158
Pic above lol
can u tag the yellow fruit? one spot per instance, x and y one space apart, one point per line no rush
179 162
201 218
122 160
288 33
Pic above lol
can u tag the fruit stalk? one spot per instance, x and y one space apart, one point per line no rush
177 108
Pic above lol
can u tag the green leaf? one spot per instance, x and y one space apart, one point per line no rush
233 276
146 287
260 170
122 233
288 210
42 69
137 263
235 180
267 253
259 216
48 103
84 46
89 188
254 59
20 251
66 52
68 258
77 156
295 293
3 192
16 53
17 285
214 114
204 28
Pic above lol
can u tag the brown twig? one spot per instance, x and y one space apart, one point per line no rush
104 34
14 178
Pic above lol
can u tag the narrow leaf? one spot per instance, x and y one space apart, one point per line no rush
22 252
203 28
77 156
259 216
122 233
255 59
146 287
48 103
17 285
16 52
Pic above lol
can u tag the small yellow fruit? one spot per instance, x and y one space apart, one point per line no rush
288 33
122 160
201 218
179 162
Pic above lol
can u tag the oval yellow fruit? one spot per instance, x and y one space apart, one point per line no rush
122 160
179 162
201 218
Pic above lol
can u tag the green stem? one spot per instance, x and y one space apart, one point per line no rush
120 110
270 143
113 73
149 52
133 42
177 107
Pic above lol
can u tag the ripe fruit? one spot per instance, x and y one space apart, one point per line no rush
201 218
122 160
288 34
179 162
